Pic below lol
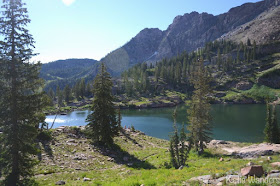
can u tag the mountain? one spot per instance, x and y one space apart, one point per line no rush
265 28
191 31
67 71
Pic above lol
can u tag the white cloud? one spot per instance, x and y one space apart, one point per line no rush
68 2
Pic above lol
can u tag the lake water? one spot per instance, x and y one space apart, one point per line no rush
242 123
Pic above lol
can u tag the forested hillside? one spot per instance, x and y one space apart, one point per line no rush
67 71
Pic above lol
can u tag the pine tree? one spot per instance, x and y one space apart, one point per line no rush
102 125
21 99
67 93
119 119
271 130
268 126
82 88
275 127
178 149
199 108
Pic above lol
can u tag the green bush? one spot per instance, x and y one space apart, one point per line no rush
260 93
44 136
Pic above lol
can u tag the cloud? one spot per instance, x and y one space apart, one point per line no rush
68 2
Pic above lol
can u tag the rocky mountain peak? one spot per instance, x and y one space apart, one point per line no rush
186 33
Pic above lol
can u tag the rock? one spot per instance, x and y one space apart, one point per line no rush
274 171
243 85
71 141
201 178
275 164
60 183
181 167
255 170
274 175
250 163
110 159
217 142
220 184
86 179
221 159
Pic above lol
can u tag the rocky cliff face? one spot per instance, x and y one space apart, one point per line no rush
186 33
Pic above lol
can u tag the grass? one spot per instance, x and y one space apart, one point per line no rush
149 156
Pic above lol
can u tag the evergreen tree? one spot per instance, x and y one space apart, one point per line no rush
178 149
82 87
199 108
67 93
21 100
88 90
102 125
275 127
268 126
119 119
271 130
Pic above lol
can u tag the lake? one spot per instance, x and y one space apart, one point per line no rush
241 123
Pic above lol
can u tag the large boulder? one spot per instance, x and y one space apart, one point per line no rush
255 170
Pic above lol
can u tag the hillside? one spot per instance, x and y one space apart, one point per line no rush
139 159
67 71
189 32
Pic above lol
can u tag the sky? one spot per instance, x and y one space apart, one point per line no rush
91 29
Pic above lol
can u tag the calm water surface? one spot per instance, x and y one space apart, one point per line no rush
243 123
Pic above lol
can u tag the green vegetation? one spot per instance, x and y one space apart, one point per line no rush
21 100
178 148
271 130
199 109
102 125
102 170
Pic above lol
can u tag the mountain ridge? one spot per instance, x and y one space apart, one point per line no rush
186 33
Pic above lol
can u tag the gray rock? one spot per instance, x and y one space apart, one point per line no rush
274 175
60 183
181 167
201 178
86 179
255 170
274 171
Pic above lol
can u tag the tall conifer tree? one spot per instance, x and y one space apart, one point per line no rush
199 108
21 98
103 125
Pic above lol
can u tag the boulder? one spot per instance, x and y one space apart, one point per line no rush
86 179
255 170
243 85
60 183
275 164
218 142
274 171
274 175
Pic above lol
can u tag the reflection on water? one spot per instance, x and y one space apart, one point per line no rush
244 123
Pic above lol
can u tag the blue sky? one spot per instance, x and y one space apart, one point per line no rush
92 28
